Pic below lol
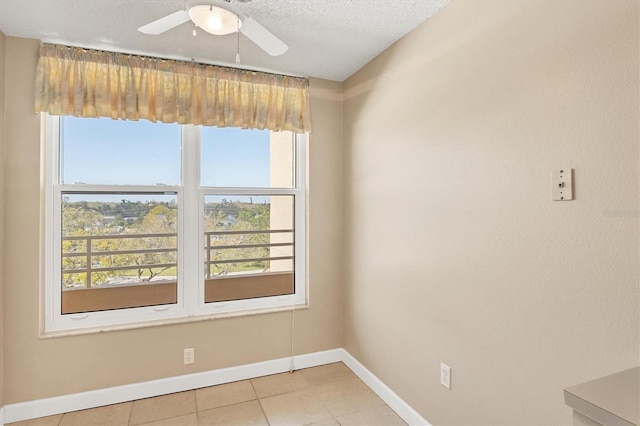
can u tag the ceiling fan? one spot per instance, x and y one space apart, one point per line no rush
219 21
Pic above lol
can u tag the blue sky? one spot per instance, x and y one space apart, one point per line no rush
234 157
105 151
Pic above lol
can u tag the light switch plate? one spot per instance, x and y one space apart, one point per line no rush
562 184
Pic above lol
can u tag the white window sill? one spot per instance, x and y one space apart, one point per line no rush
158 323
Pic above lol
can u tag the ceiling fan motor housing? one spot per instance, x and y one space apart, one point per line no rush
214 19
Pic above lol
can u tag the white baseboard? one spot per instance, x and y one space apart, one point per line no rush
80 401
397 404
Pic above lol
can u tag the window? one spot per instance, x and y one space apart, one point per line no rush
153 222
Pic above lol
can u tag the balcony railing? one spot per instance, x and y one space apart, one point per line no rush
246 276
214 251
90 255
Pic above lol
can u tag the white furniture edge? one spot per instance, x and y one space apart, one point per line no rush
80 401
594 412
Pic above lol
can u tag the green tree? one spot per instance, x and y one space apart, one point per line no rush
160 219
247 217
88 219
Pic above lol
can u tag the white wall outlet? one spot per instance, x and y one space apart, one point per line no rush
445 375
562 184
189 356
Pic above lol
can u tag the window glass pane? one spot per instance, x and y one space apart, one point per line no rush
232 157
118 251
249 246
118 152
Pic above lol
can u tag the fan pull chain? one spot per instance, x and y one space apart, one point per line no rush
238 31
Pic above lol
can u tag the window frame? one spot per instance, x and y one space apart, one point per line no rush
190 304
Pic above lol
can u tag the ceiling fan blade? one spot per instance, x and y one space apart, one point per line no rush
166 23
263 37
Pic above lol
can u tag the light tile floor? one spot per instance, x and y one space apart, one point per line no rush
325 395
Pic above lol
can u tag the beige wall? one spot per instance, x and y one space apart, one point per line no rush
455 251
325 206
38 368
2 139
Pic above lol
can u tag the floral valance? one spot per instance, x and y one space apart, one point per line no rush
90 83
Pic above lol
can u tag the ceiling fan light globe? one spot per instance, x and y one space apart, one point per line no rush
215 20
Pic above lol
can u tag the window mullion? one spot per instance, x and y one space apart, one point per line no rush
191 219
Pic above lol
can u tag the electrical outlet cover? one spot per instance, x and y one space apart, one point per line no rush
189 356
445 375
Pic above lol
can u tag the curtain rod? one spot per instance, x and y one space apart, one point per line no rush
155 58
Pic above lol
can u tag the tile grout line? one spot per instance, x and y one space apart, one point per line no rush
195 404
260 403
314 387
130 413
195 395
344 379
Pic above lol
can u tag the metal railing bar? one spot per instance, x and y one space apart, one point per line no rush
109 253
240 246
117 237
89 262
119 268
250 274
269 231
255 259
208 243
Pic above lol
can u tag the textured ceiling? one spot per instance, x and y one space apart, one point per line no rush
329 39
